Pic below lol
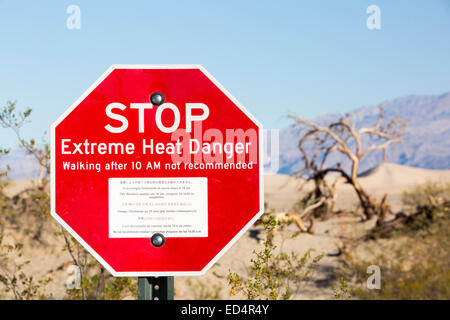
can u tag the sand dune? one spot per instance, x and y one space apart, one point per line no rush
390 174
282 191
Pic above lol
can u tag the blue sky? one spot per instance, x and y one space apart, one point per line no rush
313 57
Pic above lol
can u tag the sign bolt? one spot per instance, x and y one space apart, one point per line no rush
158 240
157 98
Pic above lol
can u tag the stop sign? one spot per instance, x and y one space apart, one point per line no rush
156 170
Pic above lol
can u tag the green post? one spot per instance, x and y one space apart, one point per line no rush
155 288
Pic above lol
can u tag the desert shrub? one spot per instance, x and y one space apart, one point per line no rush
426 208
341 290
426 194
200 291
95 283
429 208
98 284
3 171
417 263
423 274
15 281
273 274
11 118
35 200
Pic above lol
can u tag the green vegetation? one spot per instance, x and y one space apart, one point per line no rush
13 277
95 282
273 274
416 264
200 291
433 200
341 290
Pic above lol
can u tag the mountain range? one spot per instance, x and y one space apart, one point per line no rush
426 138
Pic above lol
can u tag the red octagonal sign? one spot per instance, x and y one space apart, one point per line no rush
157 170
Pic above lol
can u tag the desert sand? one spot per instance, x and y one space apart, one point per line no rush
281 193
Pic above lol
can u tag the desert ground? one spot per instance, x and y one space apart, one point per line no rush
281 193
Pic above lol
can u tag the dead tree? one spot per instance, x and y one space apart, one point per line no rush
317 143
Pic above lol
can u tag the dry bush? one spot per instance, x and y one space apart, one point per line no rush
273 274
426 208
415 263
201 291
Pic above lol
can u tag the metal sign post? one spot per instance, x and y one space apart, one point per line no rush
155 288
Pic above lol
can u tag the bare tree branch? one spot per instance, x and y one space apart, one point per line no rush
318 143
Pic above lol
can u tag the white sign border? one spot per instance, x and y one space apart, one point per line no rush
87 246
